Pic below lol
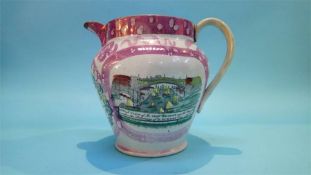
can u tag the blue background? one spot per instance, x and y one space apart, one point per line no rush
257 121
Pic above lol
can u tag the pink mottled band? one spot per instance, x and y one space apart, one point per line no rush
144 24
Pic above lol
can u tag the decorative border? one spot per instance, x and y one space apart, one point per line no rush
153 137
145 24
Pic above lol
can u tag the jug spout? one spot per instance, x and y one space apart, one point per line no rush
98 28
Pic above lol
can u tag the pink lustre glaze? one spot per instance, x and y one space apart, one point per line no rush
137 25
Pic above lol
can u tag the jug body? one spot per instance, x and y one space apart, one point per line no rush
150 76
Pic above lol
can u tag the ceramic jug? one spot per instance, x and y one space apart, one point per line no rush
152 78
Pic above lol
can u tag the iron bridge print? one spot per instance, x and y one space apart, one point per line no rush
155 101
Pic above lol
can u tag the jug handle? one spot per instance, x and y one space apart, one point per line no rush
224 28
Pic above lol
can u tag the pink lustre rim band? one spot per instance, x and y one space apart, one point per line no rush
143 24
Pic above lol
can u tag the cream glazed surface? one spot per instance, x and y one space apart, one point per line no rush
164 57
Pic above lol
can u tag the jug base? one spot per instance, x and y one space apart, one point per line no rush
138 153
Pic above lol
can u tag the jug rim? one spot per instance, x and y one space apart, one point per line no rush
148 24
150 15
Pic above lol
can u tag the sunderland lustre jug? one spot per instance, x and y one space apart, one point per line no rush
152 79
